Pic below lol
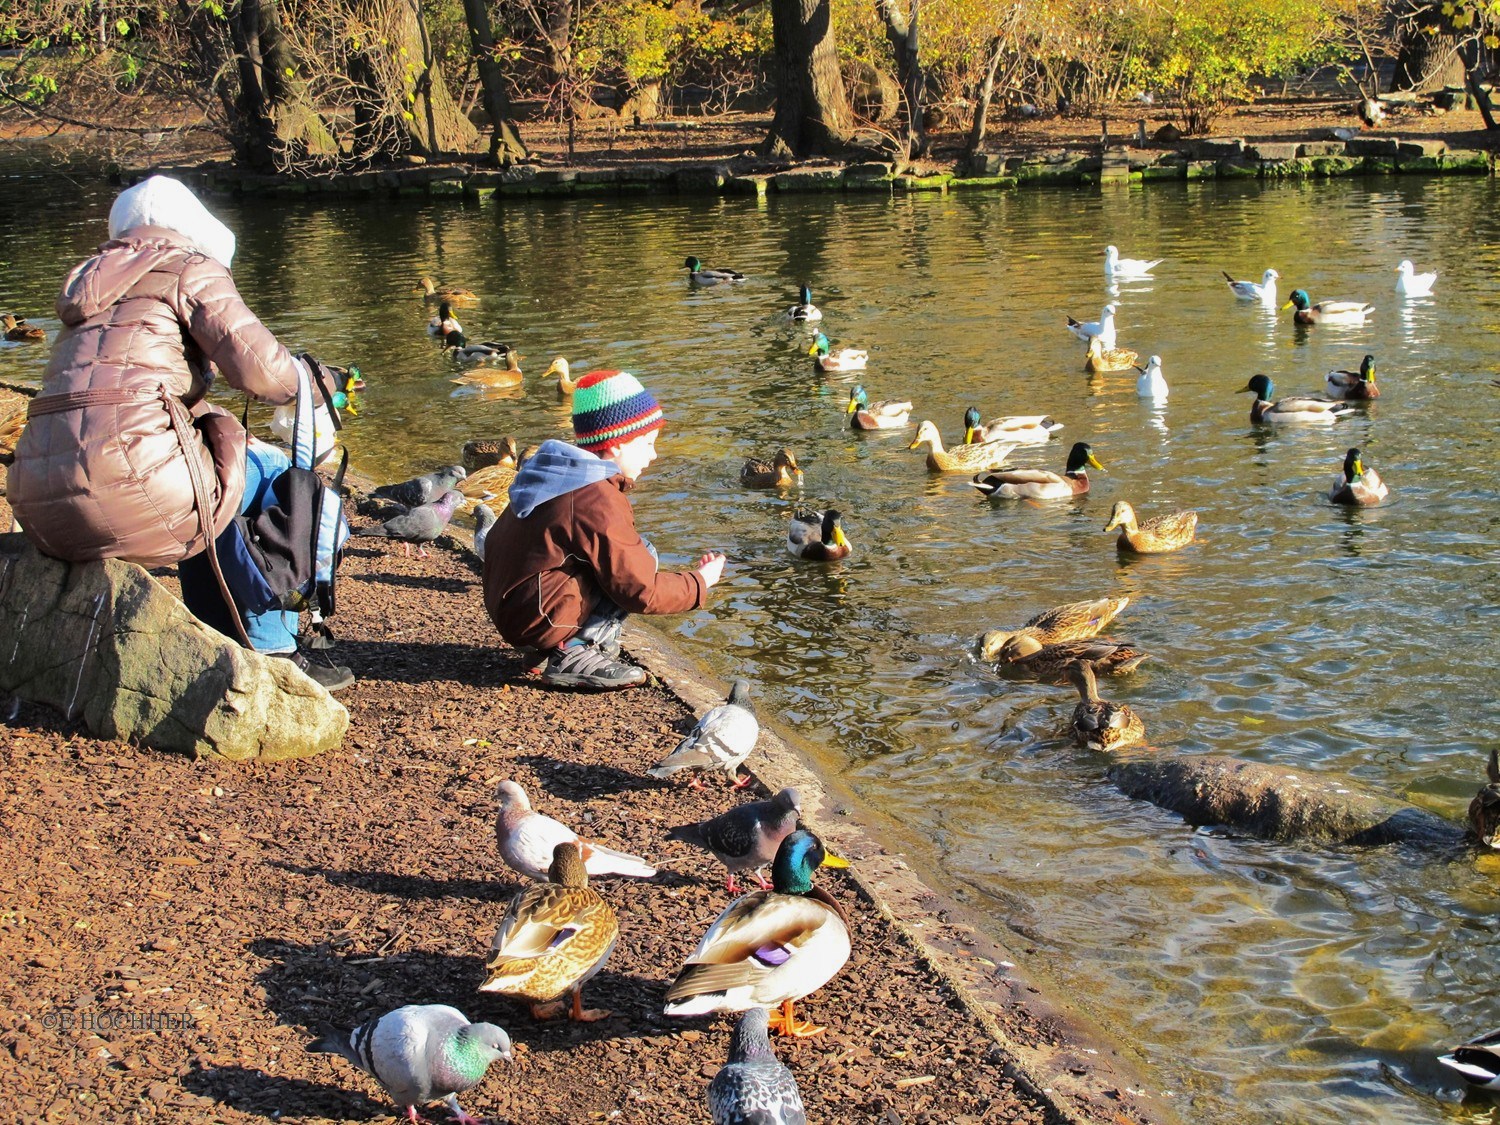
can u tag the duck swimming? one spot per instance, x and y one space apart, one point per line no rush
452 294
975 458
804 309
1019 429
817 535
699 275
1302 410
867 415
1040 484
1353 384
1357 485
444 322
1326 312
1157 535
845 359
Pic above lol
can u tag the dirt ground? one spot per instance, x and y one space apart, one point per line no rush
174 932
606 140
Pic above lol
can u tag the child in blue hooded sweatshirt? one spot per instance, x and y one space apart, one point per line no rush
564 564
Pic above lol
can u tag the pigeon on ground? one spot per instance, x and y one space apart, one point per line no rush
424 489
420 525
722 740
753 1088
484 519
745 838
421 1053
528 840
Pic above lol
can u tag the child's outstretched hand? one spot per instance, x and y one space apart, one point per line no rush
711 567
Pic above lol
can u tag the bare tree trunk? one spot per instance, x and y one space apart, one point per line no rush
436 126
506 146
901 34
255 134
812 109
279 122
983 96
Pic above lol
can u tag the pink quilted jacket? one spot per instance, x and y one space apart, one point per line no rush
100 471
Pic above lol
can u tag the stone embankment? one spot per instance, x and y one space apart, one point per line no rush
1223 158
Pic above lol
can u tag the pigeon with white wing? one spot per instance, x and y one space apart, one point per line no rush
528 840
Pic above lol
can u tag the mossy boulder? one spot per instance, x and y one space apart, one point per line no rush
107 643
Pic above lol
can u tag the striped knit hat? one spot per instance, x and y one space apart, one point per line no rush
610 407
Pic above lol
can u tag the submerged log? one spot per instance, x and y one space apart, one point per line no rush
1277 803
107 643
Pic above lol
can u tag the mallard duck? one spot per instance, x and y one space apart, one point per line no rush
867 415
350 383
1040 484
1103 360
1353 384
1157 535
1357 485
1326 312
444 322
1072 622
1304 410
10 433
817 535
1263 290
486 353
553 938
1414 284
1103 328
1098 724
1484 809
769 947
450 293
961 458
18 331
1018 429
1478 1061
1152 384
701 276
1126 269
845 359
1027 656
492 482
566 384
489 451
804 309
781 472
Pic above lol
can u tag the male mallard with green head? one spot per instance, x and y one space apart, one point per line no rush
1040 484
769 948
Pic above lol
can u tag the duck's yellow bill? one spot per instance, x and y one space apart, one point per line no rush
968 435
853 406
1286 306
1094 461
813 350
831 860
839 541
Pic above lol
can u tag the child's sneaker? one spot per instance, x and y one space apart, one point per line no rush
584 666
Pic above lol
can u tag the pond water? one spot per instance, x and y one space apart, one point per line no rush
1262 982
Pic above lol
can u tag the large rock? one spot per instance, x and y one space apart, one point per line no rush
1277 803
108 643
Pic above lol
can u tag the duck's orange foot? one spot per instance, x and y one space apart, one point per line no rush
587 1015
783 1022
555 1010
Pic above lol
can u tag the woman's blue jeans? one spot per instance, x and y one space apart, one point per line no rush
270 628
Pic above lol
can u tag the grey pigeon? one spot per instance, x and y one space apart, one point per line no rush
420 525
424 489
421 1053
752 1088
484 519
722 740
745 838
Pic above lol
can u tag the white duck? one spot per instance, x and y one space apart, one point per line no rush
1263 290
1123 269
1103 329
1413 284
1152 383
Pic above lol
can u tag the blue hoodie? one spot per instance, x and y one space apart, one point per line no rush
554 470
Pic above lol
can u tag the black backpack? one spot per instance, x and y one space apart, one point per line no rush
296 541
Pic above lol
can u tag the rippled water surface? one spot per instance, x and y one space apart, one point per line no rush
1264 983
